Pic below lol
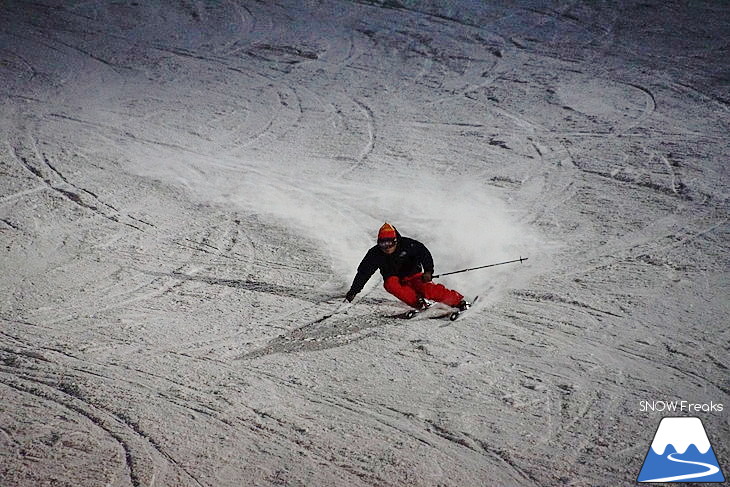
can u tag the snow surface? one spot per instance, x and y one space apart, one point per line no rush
187 187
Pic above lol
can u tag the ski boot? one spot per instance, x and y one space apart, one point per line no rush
421 305
463 305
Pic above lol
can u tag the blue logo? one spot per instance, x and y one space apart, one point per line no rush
680 452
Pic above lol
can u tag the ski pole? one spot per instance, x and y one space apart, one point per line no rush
521 259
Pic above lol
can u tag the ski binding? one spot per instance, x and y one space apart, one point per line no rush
454 315
413 312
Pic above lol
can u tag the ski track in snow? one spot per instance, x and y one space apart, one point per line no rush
186 189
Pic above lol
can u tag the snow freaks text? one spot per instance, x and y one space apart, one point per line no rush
680 407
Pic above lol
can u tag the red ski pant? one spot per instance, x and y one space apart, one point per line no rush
409 289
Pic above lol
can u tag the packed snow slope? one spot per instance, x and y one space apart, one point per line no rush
187 188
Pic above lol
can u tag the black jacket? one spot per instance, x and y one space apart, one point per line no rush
410 257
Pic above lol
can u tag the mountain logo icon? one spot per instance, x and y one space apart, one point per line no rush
680 452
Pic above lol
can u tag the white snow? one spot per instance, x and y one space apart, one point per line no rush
187 188
681 433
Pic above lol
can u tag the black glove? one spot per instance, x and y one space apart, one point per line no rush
350 296
427 276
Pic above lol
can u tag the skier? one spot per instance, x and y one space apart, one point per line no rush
407 269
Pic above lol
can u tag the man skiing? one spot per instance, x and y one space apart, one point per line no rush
407 269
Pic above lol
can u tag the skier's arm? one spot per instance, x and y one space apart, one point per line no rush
365 271
425 258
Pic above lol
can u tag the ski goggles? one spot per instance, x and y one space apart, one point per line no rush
387 243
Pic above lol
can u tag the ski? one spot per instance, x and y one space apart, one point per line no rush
454 315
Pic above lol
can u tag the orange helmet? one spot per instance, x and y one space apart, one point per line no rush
387 232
